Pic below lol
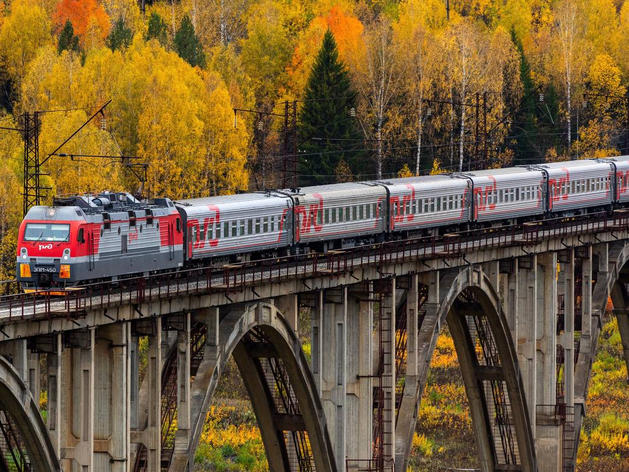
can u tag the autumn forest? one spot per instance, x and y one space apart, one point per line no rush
215 96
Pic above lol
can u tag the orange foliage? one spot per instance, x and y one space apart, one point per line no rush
347 31
83 14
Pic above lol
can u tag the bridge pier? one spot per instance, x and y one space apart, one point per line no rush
359 372
333 363
77 401
526 327
182 435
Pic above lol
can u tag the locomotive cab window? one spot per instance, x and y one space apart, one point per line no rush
177 223
81 236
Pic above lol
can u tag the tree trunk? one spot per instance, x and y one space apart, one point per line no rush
420 129
223 26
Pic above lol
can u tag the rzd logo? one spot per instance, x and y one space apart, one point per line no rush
45 246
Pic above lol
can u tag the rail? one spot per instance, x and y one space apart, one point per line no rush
236 277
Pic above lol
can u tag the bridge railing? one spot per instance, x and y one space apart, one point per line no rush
235 277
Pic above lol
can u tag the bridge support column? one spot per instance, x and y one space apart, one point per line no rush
183 386
316 338
526 326
359 398
111 428
586 293
152 434
334 360
567 338
134 382
511 298
53 363
548 439
77 401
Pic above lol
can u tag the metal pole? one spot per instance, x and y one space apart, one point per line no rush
476 156
286 147
485 157
293 149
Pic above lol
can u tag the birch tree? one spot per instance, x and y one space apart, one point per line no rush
378 82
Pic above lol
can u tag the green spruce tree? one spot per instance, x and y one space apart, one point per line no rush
187 44
120 36
68 41
328 131
526 117
157 29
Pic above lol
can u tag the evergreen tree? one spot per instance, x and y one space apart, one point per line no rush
157 29
68 41
120 36
187 44
327 128
525 151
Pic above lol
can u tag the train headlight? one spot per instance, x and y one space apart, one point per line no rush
66 254
64 271
25 270
24 253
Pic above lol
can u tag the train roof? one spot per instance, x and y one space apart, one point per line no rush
43 213
260 198
427 181
363 187
500 171
624 158
579 163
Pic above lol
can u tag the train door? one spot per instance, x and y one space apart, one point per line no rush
192 236
90 249
171 239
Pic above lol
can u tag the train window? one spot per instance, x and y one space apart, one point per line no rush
347 216
361 212
266 225
368 211
226 229
333 211
319 216
210 232
202 233
257 225
178 224
250 227
326 216
234 228
354 213
218 231
272 219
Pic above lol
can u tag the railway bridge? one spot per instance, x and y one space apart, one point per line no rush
524 304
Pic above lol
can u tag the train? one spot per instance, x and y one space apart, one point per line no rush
111 236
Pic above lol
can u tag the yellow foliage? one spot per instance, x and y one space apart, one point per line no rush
23 32
405 171
436 168
422 444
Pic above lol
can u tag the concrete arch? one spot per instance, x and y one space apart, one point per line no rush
283 344
441 309
17 400
607 285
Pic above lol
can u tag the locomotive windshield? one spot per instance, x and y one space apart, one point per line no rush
47 232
